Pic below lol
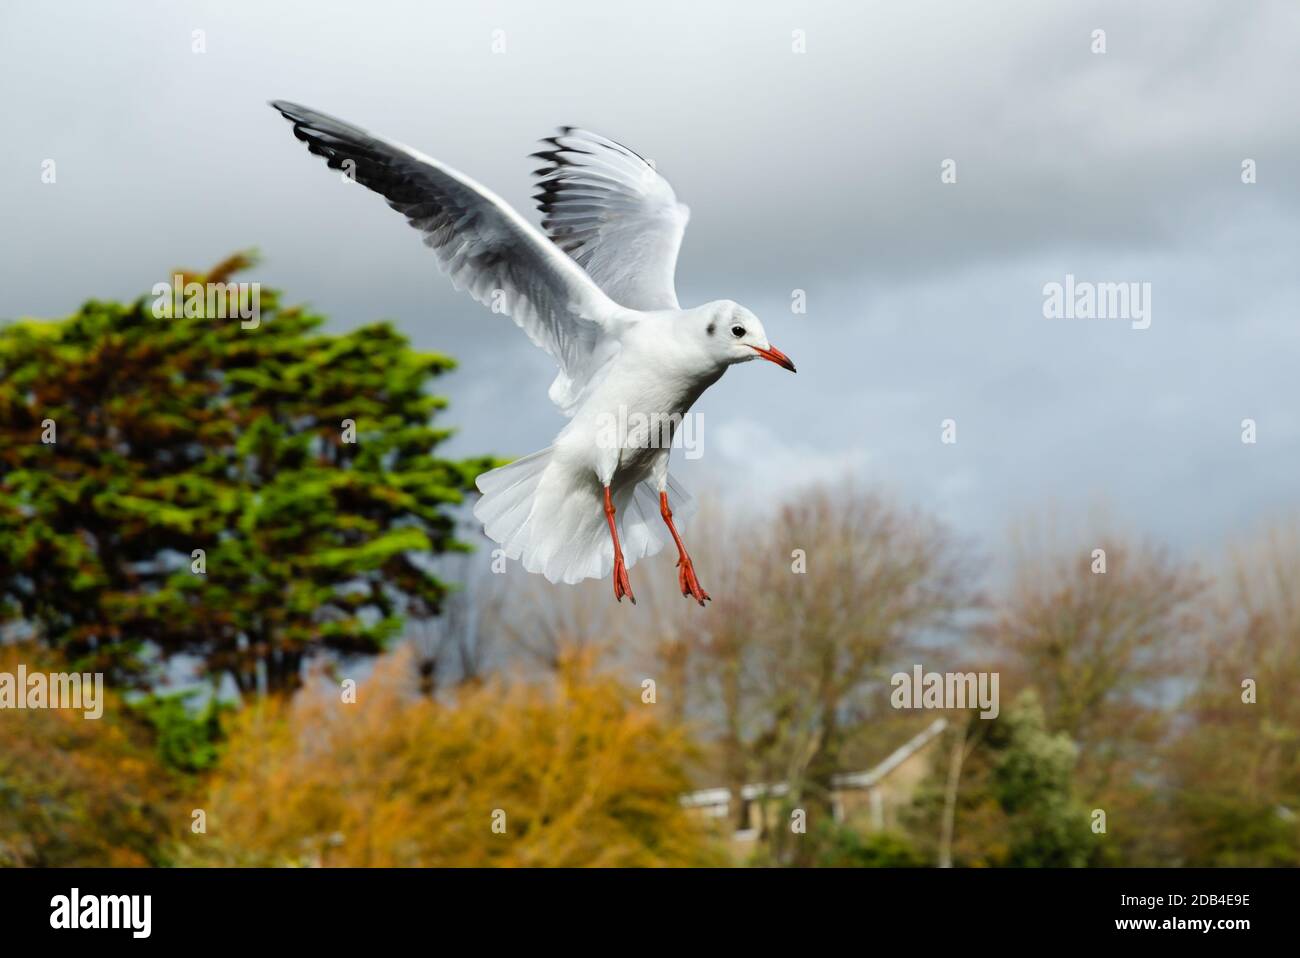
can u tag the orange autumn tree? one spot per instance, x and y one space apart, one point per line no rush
78 791
574 772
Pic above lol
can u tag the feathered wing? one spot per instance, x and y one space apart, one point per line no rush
610 210
502 261
486 248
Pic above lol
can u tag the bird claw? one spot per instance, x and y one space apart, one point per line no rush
690 585
622 584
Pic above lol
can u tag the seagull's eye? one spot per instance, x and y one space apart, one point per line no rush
738 331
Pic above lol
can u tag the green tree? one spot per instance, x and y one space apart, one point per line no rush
129 442
840 846
1032 782
188 733
1015 804
1110 654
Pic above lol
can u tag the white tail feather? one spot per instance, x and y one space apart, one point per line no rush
557 526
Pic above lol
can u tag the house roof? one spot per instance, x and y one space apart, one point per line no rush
848 780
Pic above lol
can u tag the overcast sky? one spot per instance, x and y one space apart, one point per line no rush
817 171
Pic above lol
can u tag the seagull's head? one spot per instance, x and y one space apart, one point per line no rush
733 334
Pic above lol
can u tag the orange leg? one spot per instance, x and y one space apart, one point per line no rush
622 585
685 569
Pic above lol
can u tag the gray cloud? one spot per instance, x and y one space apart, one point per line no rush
817 171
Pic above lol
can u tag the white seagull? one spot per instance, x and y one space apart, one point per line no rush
596 292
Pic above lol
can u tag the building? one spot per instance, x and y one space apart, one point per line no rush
870 798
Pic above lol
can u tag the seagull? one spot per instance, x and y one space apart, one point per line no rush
596 292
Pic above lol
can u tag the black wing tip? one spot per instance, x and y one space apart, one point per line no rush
289 109
593 139
557 149
305 116
301 117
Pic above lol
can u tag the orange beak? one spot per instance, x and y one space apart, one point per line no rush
775 355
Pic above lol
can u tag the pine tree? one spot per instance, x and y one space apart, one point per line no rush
249 492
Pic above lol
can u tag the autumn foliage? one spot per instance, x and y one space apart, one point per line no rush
1149 704
572 772
80 792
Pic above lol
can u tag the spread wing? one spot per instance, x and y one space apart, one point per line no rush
486 248
614 214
